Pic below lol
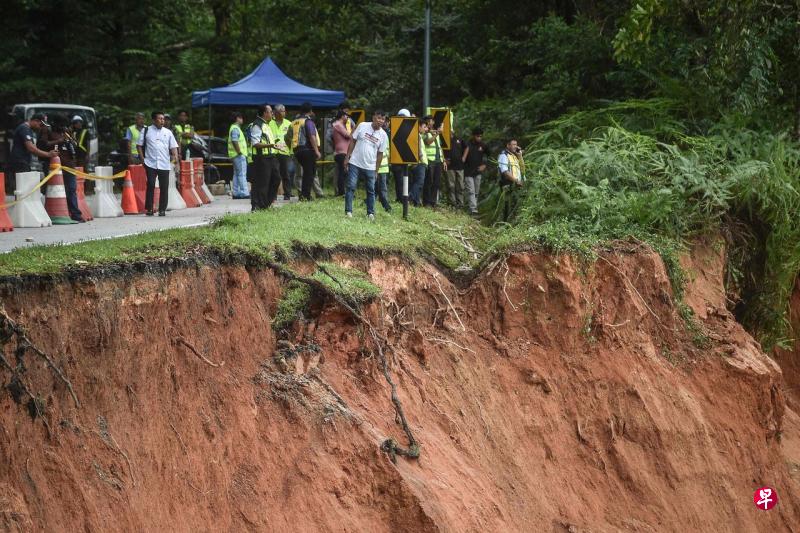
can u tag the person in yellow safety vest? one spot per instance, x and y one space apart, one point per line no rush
420 170
266 177
184 132
81 141
436 164
381 183
132 137
237 151
305 142
280 126
511 165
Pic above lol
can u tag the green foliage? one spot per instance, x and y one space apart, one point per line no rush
348 283
293 303
591 183
270 234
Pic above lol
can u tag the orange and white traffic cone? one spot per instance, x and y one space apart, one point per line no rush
5 220
128 196
55 200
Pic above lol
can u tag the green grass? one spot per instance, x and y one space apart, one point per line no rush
270 234
294 301
352 285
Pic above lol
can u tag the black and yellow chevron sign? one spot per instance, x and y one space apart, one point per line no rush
442 121
404 138
358 115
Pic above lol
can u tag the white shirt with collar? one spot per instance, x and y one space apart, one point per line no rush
159 143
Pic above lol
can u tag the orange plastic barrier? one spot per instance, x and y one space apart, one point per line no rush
199 179
188 193
86 213
5 220
139 179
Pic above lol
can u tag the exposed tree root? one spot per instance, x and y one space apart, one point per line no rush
389 445
198 354
10 327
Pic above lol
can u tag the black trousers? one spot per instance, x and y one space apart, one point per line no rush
308 162
399 171
71 189
163 183
266 178
283 170
433 178
341 176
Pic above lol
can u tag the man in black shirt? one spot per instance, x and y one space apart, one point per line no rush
455 171
24 148
474 158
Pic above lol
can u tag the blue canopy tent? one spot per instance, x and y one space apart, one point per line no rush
267 84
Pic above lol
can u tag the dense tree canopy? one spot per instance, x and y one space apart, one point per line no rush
508 64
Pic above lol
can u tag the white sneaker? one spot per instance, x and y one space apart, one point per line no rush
371 217
348 214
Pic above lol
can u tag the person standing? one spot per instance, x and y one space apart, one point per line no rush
433 152
420 170
184 133
24 149
81 141
280 126
364 156
132 138
341 143
455 171
307 149
237 152
474 157
266 176
62 142
157 149
381 183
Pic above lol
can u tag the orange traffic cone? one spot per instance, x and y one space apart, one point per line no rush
128 196
5 220
55 201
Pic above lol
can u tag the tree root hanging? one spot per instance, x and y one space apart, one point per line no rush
10 328
389 445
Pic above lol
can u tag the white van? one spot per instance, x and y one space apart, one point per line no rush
22 112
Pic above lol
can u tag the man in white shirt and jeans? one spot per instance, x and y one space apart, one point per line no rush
155 144
368 144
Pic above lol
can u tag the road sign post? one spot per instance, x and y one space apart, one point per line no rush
358 116
443 121
404 149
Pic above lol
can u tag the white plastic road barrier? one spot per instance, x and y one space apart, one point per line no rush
30 212
175 200
104 204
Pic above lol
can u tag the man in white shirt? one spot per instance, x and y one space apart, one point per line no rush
155 145
367 146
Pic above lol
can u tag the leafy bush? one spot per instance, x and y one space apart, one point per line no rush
645 176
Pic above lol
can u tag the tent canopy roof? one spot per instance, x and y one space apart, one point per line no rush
267 84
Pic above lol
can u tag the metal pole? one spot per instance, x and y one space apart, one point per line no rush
426 92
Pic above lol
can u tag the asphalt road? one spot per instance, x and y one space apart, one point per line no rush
105 228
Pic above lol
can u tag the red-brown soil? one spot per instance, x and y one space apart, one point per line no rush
574 398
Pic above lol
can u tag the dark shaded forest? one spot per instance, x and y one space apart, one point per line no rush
509 65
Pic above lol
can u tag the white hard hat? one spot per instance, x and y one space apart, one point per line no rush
404 113
77 118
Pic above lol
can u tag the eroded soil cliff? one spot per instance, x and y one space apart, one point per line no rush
547 395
